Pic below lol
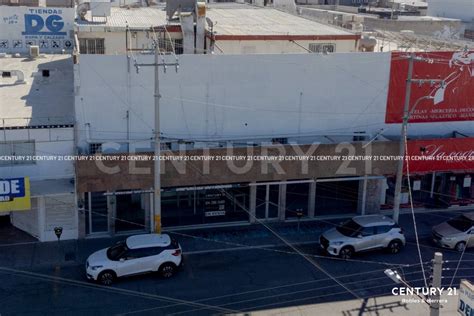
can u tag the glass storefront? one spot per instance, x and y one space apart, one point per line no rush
96 213
297 199
194 206
130 211
267 201
338 197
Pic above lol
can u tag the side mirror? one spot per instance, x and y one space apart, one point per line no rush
122 260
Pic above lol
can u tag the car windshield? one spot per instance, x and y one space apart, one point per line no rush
349 228
116 251
461 223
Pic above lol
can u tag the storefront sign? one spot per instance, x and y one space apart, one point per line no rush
214 213
449 154
451 101
15 194
50 29
466 298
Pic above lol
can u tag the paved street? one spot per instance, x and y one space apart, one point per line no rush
222 280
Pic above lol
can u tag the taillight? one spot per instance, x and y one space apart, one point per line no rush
177 252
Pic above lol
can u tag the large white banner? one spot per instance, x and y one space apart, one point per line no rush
49 28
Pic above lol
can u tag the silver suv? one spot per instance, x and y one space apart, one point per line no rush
362 233
456 233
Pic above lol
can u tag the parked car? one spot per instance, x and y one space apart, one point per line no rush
136 255
363 233
456 233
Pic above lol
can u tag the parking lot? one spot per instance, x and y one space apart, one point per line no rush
229 278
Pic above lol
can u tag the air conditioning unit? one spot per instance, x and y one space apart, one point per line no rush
34 51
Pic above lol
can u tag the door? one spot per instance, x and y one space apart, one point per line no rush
366 239
267 201
97 218
382 236
131 263
470 240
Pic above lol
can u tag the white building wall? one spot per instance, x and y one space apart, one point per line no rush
52 144
232 96
279 47
456 9
115 42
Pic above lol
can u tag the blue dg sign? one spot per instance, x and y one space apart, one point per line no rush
44 22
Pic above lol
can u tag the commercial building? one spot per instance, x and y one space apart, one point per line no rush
36 136
250 106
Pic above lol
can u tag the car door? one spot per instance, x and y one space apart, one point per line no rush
365 239
130 263
152 260
382 235
470 238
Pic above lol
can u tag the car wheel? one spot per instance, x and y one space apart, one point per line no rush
106 278
395 246
167 270
460 246
346 253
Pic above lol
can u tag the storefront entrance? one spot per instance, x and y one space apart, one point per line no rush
267 201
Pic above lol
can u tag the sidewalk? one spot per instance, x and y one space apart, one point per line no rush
32 254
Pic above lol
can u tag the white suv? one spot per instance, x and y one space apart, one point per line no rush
363 233
137 254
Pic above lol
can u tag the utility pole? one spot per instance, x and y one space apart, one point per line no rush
437 270
403 134
156 219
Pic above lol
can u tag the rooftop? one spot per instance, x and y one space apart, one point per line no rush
148 240
45 98
229 19
244 19
135 18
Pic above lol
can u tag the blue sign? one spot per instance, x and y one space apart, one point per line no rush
50 24
12 188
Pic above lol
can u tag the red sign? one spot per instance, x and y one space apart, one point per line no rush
449 154
452 100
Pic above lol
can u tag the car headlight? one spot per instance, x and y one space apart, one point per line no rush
337 243
96 267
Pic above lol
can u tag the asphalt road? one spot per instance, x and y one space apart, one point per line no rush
220 282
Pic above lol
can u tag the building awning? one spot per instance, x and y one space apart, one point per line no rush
443 154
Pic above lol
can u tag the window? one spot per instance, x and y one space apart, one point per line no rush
18 153
322 47
168 46
383 229
91 46
95 148
6 74
367 231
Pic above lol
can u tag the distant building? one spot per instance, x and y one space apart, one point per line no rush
456 9
223 29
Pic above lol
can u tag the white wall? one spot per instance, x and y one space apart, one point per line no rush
54 142
278 47
231 96
456 9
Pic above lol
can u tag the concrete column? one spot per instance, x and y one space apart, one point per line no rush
282 202
81 217
312 199
111 213
253 203
41 217
373 192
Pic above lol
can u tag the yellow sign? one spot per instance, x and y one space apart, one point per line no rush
15 194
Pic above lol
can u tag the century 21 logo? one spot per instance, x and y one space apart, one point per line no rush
35 24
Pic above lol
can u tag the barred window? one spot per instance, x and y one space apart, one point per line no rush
95 148
17 153
91 46
322 47
169 46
